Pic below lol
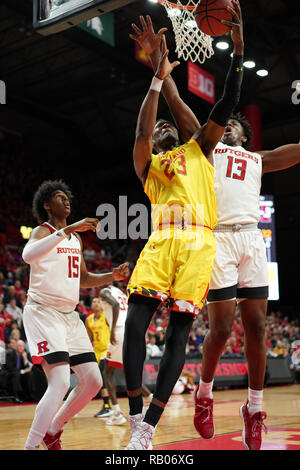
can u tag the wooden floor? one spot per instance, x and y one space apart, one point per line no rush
175 430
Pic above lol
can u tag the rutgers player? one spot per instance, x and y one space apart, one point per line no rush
114 303
56 336
240 266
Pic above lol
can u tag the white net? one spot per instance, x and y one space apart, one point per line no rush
191 43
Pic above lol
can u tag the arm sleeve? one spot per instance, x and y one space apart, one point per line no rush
40 248
232 89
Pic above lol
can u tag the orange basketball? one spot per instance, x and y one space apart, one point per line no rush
208 16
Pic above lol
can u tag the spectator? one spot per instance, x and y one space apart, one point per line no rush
160 337
192 344
2 329
14 310
7 317
278 349
89 253
19 290
12 331
18 368
199 337
152 350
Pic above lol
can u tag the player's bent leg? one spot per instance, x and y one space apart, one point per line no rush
89 383
221 316
108 376
117 418
58 376
253 314
171 365
139 315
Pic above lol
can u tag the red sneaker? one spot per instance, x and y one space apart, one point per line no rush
253 426
52 442
203 418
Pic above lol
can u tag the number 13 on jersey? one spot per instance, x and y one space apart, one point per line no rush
236 168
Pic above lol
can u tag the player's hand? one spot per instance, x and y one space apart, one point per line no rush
83 225
236 24
146 37
165 67
121 272
113 339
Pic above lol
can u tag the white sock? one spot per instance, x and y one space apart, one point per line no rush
89 384
205 389
255 399
116 409
58 384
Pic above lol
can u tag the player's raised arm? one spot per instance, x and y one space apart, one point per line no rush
42 242
148 113
211 133
280 158
183 116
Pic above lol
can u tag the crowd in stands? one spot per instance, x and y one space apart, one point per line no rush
282 334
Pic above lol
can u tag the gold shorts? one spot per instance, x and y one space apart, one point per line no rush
175 266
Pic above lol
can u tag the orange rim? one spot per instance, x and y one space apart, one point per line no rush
174 5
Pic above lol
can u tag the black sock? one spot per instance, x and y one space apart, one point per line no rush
135 405
153 414
106 402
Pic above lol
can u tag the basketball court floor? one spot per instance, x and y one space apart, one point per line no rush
175 431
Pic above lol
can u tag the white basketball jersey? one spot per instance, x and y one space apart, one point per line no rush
237 184
55 278
121 298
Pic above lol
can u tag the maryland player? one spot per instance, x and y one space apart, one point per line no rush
99 333
176 263
240 265
98 329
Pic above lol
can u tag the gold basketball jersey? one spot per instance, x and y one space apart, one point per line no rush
101 333
180 186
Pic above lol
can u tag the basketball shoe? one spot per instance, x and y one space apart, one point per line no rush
253 427
134 421
203 418
116 420
104 413
52 442
141 439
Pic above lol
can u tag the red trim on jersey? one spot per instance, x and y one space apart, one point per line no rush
48 226
37 359
118 365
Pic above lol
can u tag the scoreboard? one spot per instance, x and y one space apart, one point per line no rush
267 226
53 16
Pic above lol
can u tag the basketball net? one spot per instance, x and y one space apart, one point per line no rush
191 43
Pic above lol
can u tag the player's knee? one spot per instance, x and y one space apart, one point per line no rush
95 381
221 333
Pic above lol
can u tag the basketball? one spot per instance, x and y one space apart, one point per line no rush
210 13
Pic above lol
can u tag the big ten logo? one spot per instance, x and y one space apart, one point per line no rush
296 94
201 83
2 92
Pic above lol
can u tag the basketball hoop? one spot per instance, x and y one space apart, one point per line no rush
191 43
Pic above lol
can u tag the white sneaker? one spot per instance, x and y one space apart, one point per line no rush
142 437
134 421
116 420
